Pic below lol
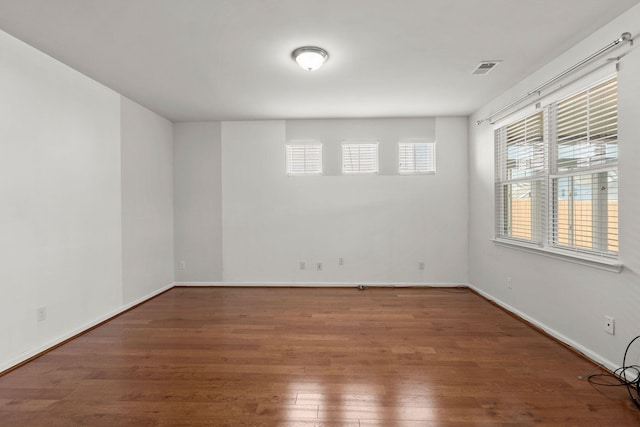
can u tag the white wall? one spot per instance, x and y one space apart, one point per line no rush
566 299
60 221
382 225
198 198
86 179
147 201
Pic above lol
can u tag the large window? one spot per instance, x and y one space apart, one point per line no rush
520 173
556 175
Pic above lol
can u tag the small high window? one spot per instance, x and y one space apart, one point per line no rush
304 158
416 157
359 158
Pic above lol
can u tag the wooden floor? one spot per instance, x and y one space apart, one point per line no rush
311 357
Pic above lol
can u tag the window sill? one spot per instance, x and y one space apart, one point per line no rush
611 265
406 173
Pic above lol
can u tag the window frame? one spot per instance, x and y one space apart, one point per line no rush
532 176
306 170
546 217
597 121
415 142
360 143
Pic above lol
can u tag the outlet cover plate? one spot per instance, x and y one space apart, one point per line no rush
609 325
42 314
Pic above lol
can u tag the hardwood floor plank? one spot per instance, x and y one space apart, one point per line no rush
311 357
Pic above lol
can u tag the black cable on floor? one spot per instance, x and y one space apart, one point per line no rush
620 377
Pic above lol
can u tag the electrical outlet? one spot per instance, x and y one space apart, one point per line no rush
319 266
340 261
421 265
42 314
182 265
609 325
509 283
303 265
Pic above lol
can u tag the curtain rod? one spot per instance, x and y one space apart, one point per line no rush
624 37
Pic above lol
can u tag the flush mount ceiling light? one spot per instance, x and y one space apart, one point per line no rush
310 58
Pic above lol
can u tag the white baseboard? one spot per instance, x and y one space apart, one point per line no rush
595 357
56 341
321 284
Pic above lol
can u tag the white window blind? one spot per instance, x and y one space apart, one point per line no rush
585 180
304 159
556 175
359 157
585 212
416 157
520 170
587 128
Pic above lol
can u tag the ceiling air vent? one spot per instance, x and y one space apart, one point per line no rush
484 67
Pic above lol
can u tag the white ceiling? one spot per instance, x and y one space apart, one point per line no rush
192 60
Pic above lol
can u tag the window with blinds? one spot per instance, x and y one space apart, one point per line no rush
520 174
585 179
359 158
304 158
416 157
556 174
